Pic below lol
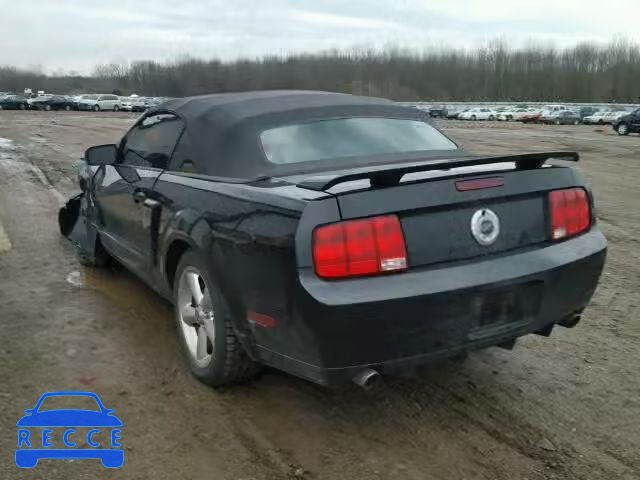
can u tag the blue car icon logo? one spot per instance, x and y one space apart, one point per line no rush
39 428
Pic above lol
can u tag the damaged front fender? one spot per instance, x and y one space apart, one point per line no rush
76 220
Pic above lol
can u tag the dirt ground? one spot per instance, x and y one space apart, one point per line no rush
564 407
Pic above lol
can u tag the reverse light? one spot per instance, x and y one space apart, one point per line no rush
570 212
359 247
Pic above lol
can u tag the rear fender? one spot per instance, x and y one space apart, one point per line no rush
190 227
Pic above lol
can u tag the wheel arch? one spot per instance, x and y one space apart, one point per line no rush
175 250
185 232
180 242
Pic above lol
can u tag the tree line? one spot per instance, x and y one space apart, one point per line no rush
586 72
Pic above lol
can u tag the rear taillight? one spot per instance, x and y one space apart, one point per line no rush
359 247
570 212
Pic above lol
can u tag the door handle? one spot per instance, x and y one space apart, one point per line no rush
139 196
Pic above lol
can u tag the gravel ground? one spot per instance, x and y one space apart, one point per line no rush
564 407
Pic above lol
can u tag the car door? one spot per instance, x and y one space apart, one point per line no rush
114 101
124 194
106 103
103 102
59 102
635 120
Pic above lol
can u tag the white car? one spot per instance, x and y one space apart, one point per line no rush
602 118
525 113
511 114
478 114
611 117
126 104
596 118
100 102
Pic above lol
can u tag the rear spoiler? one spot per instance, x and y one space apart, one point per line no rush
392 176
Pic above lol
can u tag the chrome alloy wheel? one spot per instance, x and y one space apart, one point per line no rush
195 316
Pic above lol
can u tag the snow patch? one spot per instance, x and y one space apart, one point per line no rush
6 144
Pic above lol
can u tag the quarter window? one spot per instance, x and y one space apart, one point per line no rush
182 159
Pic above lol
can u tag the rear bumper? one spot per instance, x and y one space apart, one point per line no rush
394 322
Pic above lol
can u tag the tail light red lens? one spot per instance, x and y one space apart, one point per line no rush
570 212
359 247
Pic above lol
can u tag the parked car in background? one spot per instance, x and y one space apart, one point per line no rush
454 113
532 116
51 102
595 119
100 102
554 108
86 102
627 124
612 116
497 111
479 113
510 114
126 103
141 104
604 117
13 102
76 99
526 115
563 117
438 111
588 111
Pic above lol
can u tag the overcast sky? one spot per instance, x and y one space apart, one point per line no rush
77 34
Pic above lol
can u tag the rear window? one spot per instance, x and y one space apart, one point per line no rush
350 137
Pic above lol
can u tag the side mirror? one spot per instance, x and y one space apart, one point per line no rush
101 155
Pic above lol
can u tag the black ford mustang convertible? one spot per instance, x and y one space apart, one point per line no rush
335 237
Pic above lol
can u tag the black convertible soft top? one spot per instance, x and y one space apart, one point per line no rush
222 130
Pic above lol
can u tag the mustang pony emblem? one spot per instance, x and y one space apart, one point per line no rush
485 227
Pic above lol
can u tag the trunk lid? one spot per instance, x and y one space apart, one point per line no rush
436 217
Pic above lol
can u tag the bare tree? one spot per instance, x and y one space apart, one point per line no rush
493 72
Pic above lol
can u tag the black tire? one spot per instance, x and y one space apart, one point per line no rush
67 107
474 118
491 118
21 107
96 108
622 129
558 122
47 108
229 363
600 122
116 108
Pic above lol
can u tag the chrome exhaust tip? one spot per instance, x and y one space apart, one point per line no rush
367 378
